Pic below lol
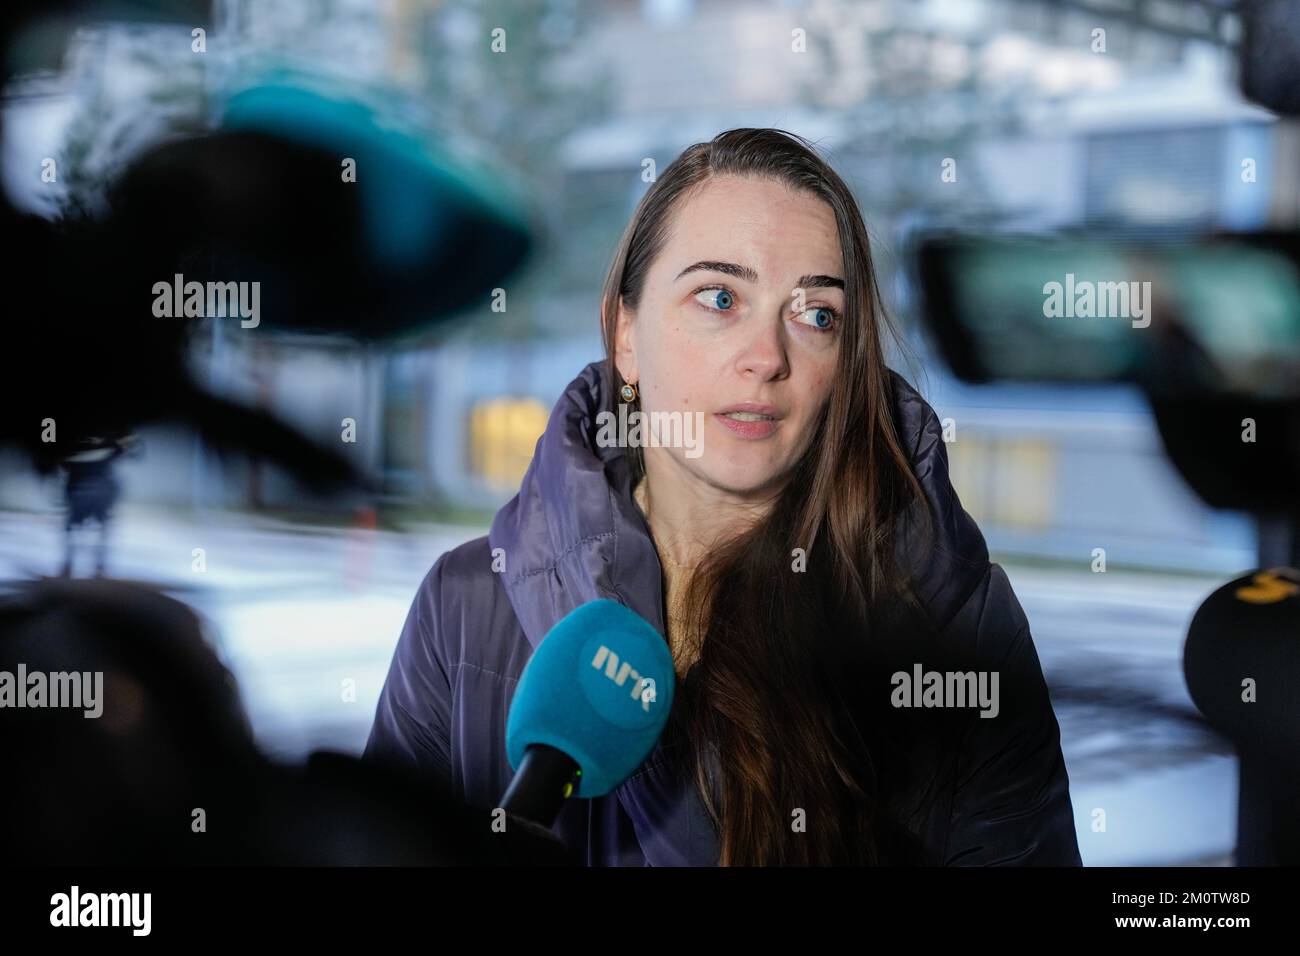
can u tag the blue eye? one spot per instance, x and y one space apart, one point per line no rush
823 318
722 299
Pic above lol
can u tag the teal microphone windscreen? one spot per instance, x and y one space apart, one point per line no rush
348 199
599 688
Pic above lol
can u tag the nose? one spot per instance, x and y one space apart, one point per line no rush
764 353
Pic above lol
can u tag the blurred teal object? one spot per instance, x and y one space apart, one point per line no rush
418 198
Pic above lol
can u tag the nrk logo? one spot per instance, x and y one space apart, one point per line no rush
620 671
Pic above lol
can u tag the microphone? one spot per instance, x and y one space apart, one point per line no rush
589 708
1242 662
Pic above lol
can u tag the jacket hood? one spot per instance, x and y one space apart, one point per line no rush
573 533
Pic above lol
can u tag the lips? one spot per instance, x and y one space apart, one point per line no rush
750 411
749 419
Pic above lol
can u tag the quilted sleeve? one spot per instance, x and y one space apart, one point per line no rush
412 723
1010 802
1011 798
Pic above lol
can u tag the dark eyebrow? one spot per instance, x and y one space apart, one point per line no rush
820 282
749 275
730 268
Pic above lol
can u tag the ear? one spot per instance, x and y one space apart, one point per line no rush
624 344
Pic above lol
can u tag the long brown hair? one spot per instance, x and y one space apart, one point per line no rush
775 705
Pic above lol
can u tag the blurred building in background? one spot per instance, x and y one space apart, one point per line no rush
1050 115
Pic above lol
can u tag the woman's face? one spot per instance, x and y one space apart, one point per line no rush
742 307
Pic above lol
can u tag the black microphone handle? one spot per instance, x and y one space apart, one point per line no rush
545 779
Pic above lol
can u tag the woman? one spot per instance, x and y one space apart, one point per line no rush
804 555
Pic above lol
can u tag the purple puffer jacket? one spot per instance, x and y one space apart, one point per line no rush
574 534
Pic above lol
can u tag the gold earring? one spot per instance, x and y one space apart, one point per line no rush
628 392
